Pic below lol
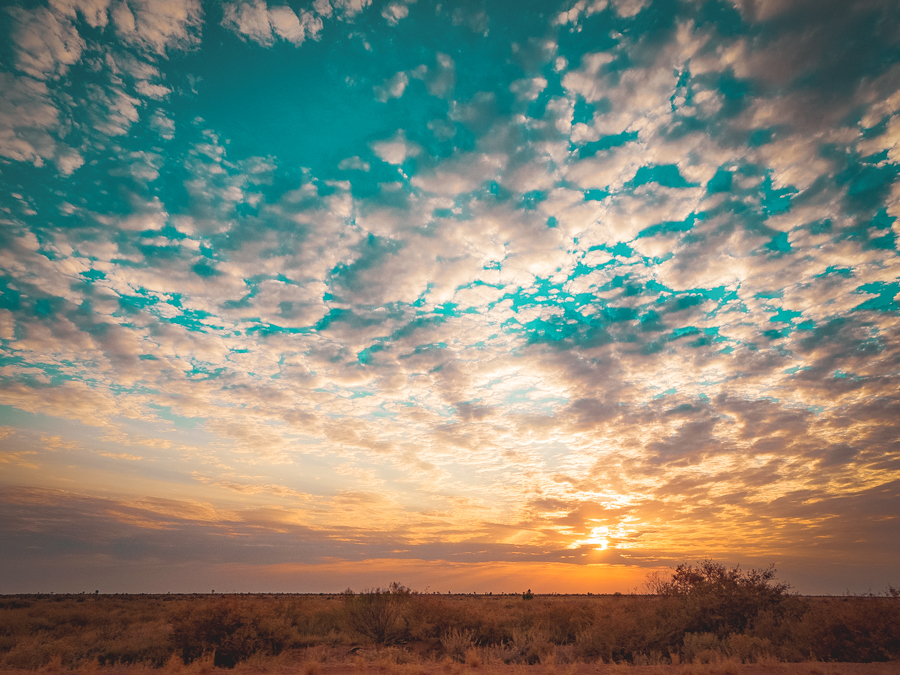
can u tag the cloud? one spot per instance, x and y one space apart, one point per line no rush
629 8
439 80
646 302
579 9
260 23
46 44
396 149
396 12
346 9
27 119
159 25
392 87
353 163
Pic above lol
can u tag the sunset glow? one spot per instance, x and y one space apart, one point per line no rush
475 296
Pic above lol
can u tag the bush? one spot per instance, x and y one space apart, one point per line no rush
232 632
859 629
714 599
457 643
701 648
378 614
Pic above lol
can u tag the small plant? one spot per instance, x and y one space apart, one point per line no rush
528 595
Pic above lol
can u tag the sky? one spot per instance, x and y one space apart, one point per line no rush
470 295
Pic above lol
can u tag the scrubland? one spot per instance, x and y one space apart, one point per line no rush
716 630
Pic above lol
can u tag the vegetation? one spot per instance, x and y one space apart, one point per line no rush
378 614
703 613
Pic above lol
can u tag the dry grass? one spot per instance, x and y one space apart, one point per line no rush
438 635
205 667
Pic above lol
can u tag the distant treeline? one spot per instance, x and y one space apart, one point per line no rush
700 613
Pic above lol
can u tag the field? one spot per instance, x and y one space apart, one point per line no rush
403 633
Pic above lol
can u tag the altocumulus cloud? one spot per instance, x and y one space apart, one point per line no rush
350 285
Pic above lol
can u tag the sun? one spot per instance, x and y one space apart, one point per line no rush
598 538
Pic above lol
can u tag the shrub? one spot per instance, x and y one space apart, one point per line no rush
860 629
457 643
746 648
232 632
378 614
717 600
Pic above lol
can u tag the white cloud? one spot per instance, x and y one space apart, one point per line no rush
585 80
114 110
157 91
164 126
579 9
292 28
69 162
396 149
260 23
439 81
93 11
348 9
26 118
353 163
463 173
323 8
629 8
528 89
250 20
394 12
159 25
45 44
393 87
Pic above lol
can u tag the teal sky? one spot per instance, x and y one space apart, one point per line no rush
471 295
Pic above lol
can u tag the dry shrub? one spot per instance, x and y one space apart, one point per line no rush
702 648
457 643
855 629
230 631
378 614
654 658
81 629
747 649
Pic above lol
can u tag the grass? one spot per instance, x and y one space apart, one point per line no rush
456 634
